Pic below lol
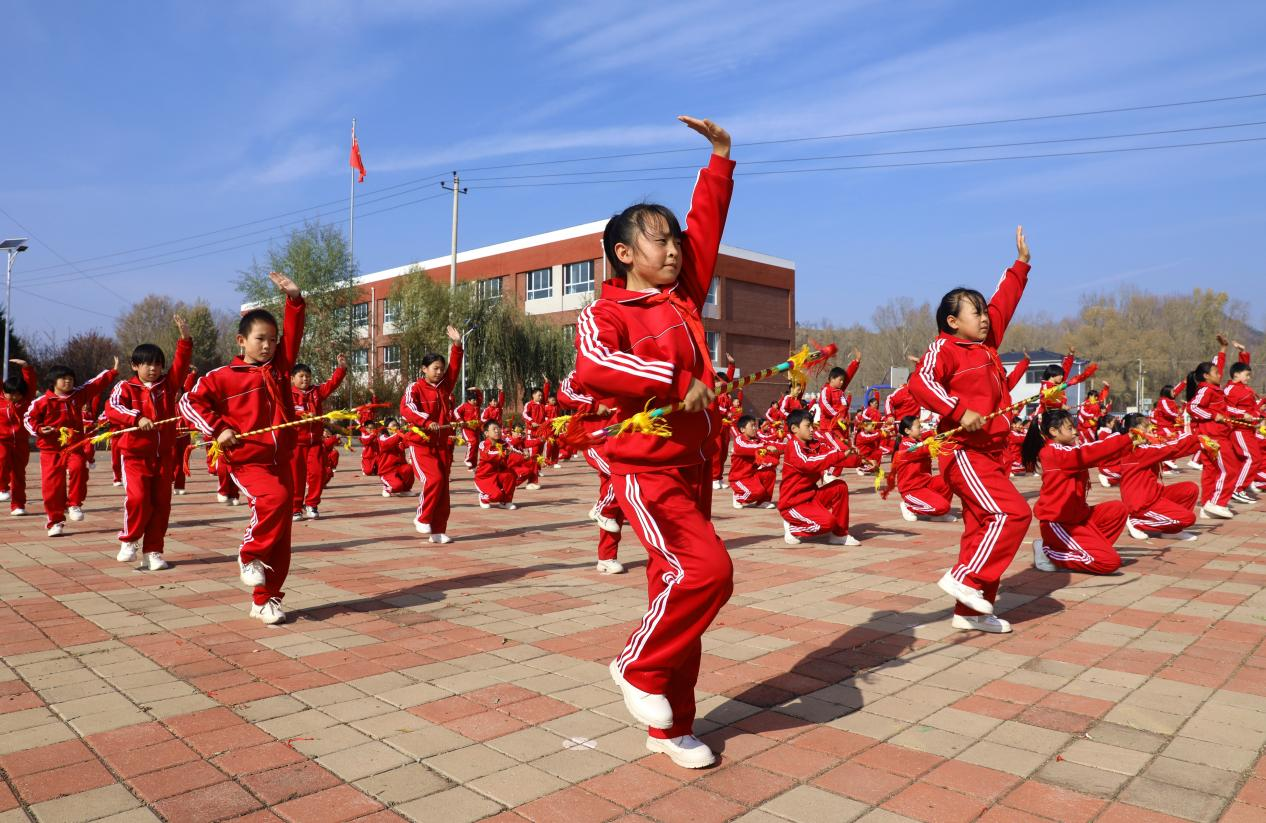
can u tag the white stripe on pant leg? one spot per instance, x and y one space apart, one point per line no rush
421 478
913 502
656 611
810 526
743 493
249 537
985 547
1154 518
1077 553
123 474
1248 462
1217 488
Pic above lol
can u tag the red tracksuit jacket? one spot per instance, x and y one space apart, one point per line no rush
831 403
244 397
639 346
11 414
901 403
911 470
424 404
1060 400
493 411
1205 407
1066 474
743 455
1166 413
52 409
390 453
493 459
309 403
468 413
955 375
131 400
1140 470
802 468
1241 400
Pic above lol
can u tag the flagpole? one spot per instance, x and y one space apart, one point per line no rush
351 253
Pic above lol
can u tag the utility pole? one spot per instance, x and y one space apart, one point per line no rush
457 191
1138 388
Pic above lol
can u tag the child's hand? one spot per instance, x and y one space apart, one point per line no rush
227 439
145 424
1222 341
453 334
285 284
47 430
698 396
729 358
1237 345
115 367
1021 245
180 324
719 137
341 361
971 421
912 359
21 364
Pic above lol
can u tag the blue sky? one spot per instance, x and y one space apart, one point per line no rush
144 122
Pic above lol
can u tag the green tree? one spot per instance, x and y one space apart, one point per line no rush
148 321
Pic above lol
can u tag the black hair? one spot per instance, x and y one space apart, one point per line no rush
1035 438
254 316
1105 422
637 219
430 357
300 367
744 420
1195 377
15 384
797 417
1091 393
1053 370
837 371
952 302
147 354
492 423
874 398
903 428
1239 368
1130 421
58 372
389 420
472 394
1167 392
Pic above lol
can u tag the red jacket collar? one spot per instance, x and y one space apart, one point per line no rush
616 289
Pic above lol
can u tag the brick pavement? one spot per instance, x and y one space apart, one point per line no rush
468 681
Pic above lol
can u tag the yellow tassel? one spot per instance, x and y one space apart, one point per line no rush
1054 395
348 444
879 479
340 414
796 373
213 454
420 433
104 437
643 423
560 423
1209 444
934 447
64 435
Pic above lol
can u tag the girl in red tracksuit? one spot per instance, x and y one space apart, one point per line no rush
809 509
368 448
393 463
1052 376
1242 403
961 379
1089 413
468 415
63 471
428 404
15 446
1167 413
1075 536
183 441
147 458
751 483
642 341
724 405
606 511
1208 409
494 410
922 493
253 392
308 466
1154 507
494 479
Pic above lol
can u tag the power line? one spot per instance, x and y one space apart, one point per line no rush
33 236
62 303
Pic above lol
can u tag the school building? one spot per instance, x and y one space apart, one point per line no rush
750 311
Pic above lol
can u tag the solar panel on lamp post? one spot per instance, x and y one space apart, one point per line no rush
12 247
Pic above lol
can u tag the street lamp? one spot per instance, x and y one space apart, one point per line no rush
12 247
464 358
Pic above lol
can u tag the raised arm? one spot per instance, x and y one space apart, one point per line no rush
1010 289
1018 371
292 320
705 221
336 379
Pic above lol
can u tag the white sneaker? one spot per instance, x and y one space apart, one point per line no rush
270 614
1184 536
1103 481
983 623
737 504
532 486
484 505
386 493
1135 531
906 514
648 709
17 513
297 516
509 506
127 551
607 524
421 528
252 573
791 539
311 513
944 518
469 465
768 504
724 484
686 751
716 484
75 513
116 483
1040 561
180 491
155 562
610 567
1241 497
441 538
5 497
1214 510
1193 464
969 597
827 477
56 530
843 540
221 498
235 501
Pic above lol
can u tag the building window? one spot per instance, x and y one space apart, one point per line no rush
1034 375
391 358
390 311
489 289
711 299
540 284
569 331
578 277
360 314
714 345
360 359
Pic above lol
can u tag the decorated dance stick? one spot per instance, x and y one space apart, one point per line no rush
215 450
105 436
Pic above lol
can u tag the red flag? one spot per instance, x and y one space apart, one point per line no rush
356 162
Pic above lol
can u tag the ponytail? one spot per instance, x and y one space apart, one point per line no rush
1130 422
1035 437
1196 377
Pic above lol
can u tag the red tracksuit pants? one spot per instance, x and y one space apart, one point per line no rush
1172 511
753 489
146 500
178 477
368 462
268 492
397 480
116 460
1221 474
432 467
307 475
932 499
63 482
1087 547
828 512
472 448
718 459
14 455
224 481
1249 449
689 578
329 464
995 519
499 488
526 468
607 506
